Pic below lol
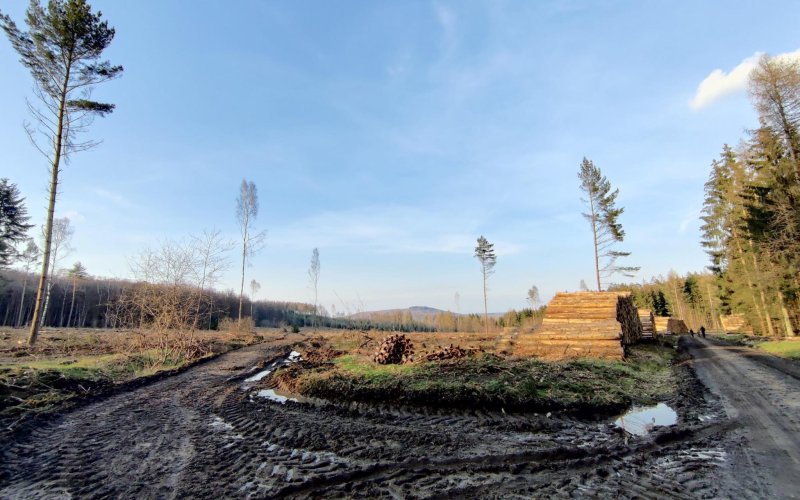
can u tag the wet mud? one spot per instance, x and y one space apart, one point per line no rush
206 433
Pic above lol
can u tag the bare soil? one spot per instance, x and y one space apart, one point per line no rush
199 434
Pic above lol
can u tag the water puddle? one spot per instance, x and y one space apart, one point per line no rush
293 357
640 421
277 396
258 376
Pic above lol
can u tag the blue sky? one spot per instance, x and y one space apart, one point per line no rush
392 134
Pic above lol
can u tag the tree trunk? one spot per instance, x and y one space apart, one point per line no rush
244 258
596 250
485 302
51 208
71 304
22 300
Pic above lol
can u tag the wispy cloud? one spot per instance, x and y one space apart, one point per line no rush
719 83
113 197
390 229
447 20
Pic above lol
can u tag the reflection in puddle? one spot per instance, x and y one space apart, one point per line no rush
293 357
640 421
272 395
258 376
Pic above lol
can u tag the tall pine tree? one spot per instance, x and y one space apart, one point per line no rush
603 217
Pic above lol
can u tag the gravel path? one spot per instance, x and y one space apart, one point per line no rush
761 396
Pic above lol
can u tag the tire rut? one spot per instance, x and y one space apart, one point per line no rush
198 434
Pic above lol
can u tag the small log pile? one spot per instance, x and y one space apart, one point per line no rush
449 352
661 324
628 318
583 325
736 323
648 323
675 325
395 350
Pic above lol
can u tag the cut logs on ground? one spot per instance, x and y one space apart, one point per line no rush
584 325
449 352
394 350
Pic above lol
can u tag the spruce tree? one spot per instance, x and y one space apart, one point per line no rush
13 218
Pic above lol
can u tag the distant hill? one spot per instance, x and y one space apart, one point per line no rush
417 313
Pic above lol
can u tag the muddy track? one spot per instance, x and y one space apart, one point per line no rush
762 396
199 434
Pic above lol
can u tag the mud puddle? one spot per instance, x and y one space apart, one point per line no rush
641 421
293 357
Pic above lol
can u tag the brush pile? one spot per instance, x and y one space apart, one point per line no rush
449 352
395 350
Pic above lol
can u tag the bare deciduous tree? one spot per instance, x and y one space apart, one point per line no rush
255 286
60 247
210 249
246 213
533 297
29 258
76 273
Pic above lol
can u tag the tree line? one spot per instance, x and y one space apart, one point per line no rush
751 211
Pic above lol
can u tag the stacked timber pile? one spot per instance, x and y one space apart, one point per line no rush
583 325
661 324
648 323
676 326
735 323
394 350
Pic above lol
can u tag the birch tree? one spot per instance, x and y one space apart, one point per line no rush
246 213
313 278
29 258
62 50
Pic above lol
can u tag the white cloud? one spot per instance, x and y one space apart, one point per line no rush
719 83
74 216
113 197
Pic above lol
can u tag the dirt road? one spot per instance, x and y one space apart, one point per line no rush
199 434
761 396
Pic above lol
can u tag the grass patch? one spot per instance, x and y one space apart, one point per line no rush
489 381
783 348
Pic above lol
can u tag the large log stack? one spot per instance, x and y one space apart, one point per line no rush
583 325
648 323
735 323
676 326
661 324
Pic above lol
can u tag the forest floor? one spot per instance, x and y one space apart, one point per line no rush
220 429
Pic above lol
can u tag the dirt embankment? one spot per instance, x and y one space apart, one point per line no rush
200 434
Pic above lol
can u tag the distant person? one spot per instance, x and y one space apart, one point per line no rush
691 332
703 331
